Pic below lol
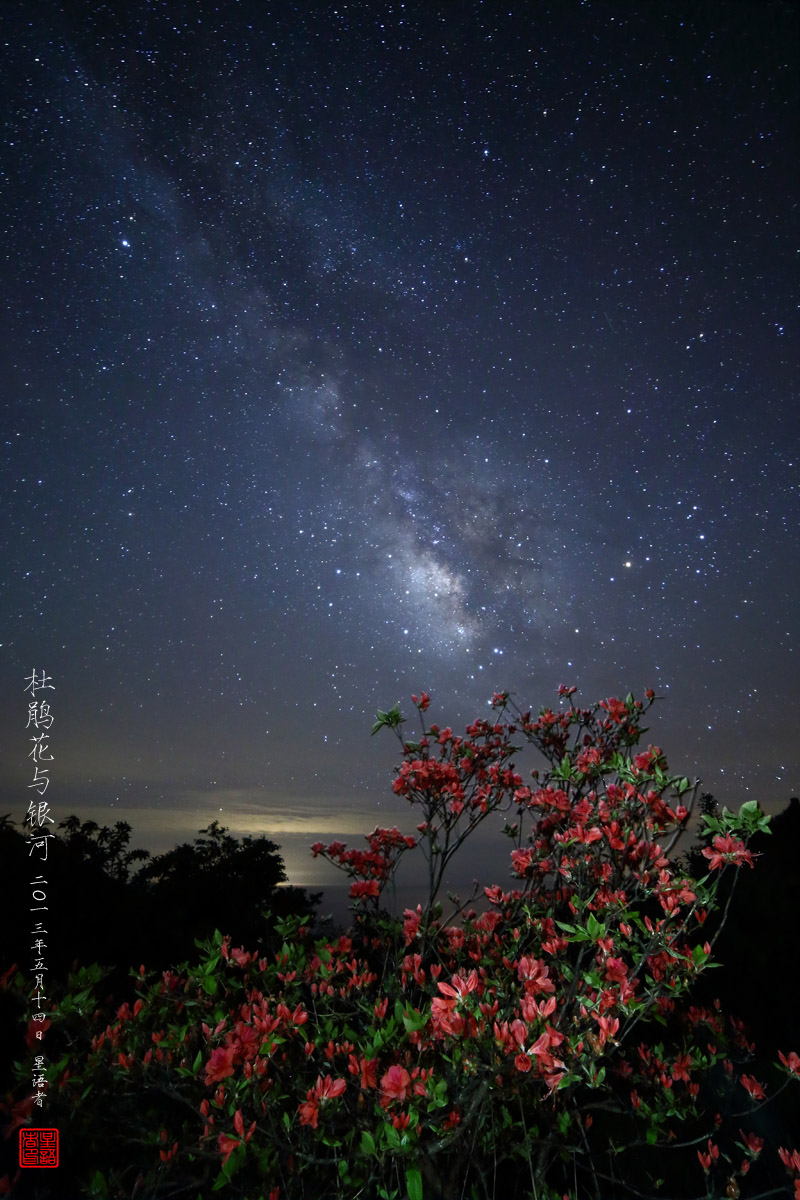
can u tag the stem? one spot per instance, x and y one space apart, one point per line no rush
525 1130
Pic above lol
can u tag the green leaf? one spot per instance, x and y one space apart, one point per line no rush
209 984
564 771
230 1168
753 819
98 1185
367 1142
391 719
594 928
414 1183
392 1136
412 1020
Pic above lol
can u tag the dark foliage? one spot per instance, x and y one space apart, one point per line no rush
217 882
120 907
99 909
758 950
759 946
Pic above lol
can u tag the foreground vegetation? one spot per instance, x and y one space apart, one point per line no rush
559 1044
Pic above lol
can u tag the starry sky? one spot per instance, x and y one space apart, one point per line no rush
356 349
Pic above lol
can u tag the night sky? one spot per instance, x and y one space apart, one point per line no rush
351 350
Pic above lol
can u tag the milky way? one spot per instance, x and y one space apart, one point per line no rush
356 350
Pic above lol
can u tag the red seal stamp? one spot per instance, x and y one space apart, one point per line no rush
38 1147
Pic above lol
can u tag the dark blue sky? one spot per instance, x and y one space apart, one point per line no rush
354 350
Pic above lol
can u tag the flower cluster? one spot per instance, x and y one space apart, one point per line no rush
371 868
435 1049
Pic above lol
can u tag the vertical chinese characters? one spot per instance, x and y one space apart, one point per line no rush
40 720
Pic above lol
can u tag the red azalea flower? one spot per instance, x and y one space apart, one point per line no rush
616 969
681 1069
395 1084
219 1065
369 887
608 1027
324 1089
521 860
411 923
707 1159
650 758
753 1143
792 1063
309 1111
790 1159
328 1089
226 1146
460 987
535 974
366 1068
752 1085
727 850
444 1017
589 758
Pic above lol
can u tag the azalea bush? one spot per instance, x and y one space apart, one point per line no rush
547 1044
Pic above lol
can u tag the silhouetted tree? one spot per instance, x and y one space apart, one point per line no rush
86 913
217 882
87 843
98 909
